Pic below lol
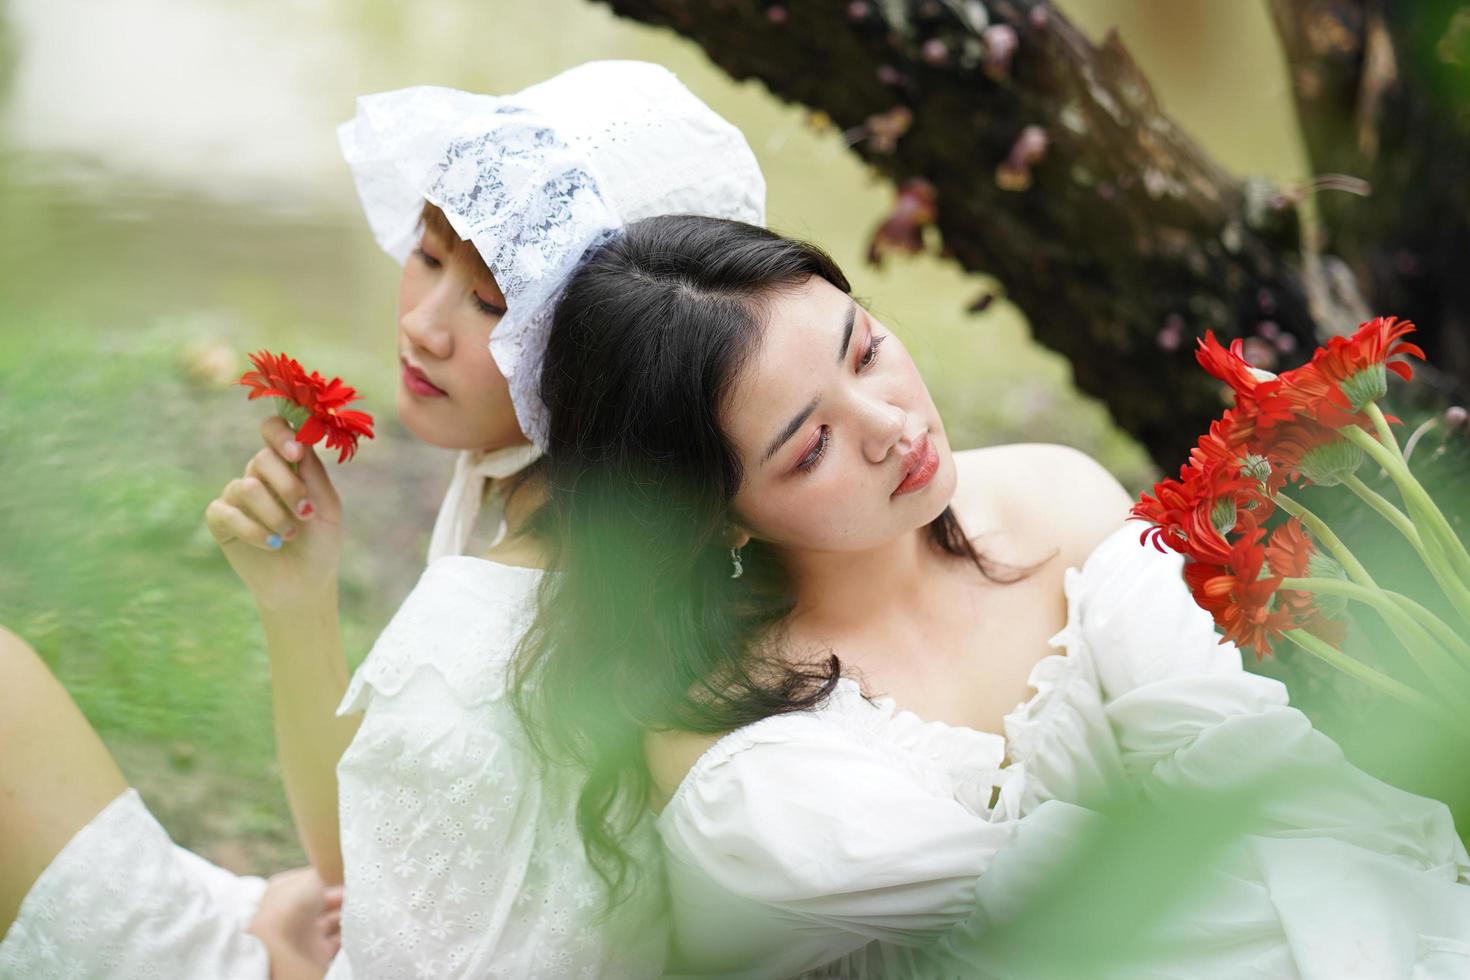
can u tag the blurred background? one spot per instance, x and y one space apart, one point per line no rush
172 197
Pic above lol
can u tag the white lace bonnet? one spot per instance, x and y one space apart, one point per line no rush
534 180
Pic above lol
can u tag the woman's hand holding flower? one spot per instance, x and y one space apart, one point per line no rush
280 527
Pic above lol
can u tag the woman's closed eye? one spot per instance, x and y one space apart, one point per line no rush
814 456
871 354
488 308
426 258
809 461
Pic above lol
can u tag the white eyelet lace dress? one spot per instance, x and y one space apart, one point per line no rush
856 840
459 860
122 901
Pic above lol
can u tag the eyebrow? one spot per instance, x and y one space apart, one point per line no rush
806 413
790 429
847 330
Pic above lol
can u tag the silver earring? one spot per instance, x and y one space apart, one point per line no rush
735 558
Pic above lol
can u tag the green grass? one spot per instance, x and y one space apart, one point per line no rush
110 456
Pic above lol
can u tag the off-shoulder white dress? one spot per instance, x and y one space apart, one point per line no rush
857 840
460 861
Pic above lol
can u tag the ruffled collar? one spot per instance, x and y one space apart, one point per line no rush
463 620
986 771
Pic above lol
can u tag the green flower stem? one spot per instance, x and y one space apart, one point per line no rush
1441 630
1455 587
1385 434
1438 665
1329 540
1445 555
1427 550
1459 557
1398 519
1448 546
1423 618
1388 511
1381 681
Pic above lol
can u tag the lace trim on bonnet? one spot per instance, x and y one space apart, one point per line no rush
535 180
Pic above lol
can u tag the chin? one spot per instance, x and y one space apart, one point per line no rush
941 491
411 415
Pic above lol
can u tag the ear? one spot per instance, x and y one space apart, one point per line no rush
738 537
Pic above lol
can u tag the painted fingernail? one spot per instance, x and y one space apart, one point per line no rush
305 509
273 542
293 450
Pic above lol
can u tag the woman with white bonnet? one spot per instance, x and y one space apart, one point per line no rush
459 852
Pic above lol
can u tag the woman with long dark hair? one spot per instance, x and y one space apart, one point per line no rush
819 644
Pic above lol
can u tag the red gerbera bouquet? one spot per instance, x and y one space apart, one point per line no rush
311 404
1265 580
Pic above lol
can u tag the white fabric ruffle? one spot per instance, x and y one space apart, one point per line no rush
843 840
122 901
461 858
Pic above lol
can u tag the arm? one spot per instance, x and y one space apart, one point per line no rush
308 678
281 530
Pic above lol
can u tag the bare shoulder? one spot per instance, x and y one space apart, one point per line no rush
670 755
1049 495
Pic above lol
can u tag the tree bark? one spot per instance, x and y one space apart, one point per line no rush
1379 89
1055 171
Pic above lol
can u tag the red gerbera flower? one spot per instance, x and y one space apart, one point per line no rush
1230 366
1220 482
1166 510
278 376
312 404
1357 365
1239 596
1291 553
1312 395
1258 403
1290 550
1305 449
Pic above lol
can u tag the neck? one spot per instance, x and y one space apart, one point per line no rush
522 493
853 588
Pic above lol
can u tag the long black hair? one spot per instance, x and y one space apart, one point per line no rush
641 626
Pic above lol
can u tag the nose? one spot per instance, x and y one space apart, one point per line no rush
883 427
426 325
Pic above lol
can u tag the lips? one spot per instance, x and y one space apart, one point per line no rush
418 382
919 466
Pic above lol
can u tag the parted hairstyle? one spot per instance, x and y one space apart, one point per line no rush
640 625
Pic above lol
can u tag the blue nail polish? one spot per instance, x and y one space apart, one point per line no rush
274 541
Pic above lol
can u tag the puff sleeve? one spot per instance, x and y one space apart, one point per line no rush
1186 714
825 842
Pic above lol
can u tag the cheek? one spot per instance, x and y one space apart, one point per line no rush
493 410
839 511
906 374
410 289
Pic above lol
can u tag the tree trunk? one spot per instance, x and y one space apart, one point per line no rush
1055 171
1380 92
